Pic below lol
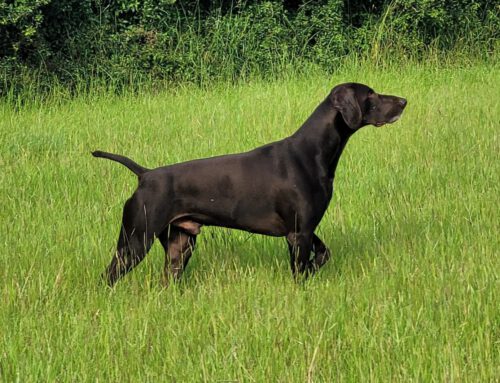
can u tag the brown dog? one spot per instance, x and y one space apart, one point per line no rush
280 189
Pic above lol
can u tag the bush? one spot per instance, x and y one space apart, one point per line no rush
124 41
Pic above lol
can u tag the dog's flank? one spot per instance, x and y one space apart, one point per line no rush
280 189
133 166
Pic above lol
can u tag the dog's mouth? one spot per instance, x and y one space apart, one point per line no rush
378 124
394 119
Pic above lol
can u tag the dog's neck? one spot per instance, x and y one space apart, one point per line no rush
323 137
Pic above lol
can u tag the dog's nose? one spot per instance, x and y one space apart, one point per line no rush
402 102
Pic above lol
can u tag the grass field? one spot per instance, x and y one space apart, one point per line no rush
412 291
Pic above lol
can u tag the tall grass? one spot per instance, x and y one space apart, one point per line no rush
411 293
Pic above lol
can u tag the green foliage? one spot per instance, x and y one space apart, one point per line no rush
320 30
20 26
125 41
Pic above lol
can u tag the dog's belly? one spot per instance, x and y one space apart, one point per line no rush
255 219
261 221
271 225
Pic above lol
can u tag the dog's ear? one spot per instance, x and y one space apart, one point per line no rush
344 100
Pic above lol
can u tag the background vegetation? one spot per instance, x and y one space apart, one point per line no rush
127 42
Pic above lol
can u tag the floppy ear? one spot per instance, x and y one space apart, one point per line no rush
344 100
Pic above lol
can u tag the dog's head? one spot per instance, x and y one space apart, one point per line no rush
360 105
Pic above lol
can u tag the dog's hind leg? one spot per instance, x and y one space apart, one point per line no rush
300 246
179 246
321 253
134 242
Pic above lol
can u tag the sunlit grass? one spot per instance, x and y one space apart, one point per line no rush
411 293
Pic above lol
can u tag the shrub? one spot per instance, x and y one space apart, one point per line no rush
123 41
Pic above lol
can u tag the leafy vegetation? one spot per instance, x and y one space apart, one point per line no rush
122 43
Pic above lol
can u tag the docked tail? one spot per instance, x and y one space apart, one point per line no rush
136 168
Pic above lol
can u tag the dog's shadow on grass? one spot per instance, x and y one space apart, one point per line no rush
225 254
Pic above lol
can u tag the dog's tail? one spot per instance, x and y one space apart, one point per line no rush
135 167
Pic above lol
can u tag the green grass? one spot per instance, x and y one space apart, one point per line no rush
411 293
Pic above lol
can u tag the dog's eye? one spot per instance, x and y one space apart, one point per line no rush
373 107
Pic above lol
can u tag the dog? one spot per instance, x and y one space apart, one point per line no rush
281 189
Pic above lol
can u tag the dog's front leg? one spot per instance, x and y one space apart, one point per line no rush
299 245
321 253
